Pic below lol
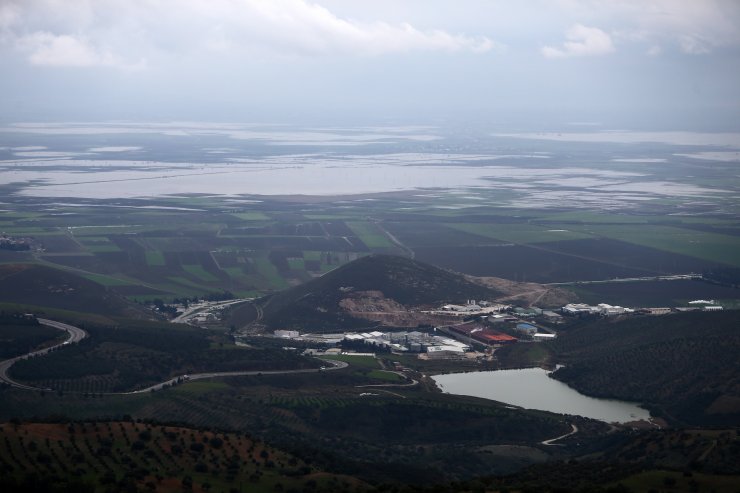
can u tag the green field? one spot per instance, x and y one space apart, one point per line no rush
521 233
251 216
359 361
296 263
713 247
154 258
370 235
199 272
286 243
108 280
269 272
385 375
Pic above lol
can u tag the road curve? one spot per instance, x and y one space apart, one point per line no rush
553 440
336 365
75 335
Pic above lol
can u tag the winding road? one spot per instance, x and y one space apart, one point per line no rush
76 334
553 440
336 365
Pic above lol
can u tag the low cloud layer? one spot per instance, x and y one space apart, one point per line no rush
247 59
112 33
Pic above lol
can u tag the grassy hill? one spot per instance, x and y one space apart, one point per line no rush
41 286
683 366
315 304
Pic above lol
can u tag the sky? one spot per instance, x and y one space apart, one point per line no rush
653 64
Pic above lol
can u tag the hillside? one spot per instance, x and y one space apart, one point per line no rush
41 286
128 456
684 367
135 354
387 282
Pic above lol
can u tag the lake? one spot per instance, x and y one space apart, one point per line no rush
532 388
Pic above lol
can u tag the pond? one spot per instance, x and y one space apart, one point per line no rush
532 388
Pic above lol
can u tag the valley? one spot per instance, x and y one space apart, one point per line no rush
292 341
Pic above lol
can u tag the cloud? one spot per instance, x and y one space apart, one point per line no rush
581 41
655 50
694 45
111 33
68 51
693 27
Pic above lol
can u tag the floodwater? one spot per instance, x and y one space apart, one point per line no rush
532 388
111 161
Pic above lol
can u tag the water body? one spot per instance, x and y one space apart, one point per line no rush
532 388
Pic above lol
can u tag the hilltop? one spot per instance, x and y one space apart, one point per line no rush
366 290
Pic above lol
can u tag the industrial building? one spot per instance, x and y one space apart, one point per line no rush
445 352
600 309
412 342
482 334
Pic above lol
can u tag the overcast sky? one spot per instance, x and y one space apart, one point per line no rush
670 63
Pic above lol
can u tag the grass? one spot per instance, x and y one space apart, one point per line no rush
234 272
198 271
186 282
524 355
388 376
714 247
155 258
370 235
360 361
269 272
251 216
311 255
98 244
520 233
296 263
107 280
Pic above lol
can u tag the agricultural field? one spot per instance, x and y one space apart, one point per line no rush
195 245
656 293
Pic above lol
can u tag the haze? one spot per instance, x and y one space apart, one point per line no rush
660 64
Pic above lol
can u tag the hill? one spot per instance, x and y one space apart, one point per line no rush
135 354
41 286
128 456
345 297
684 367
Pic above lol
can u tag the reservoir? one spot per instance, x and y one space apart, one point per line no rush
532 388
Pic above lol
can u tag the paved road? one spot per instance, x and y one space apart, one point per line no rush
553 440
336 365
75 335
209 305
